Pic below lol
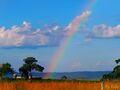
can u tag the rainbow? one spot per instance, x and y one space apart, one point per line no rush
70 32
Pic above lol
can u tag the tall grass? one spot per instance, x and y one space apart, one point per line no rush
114 85
25 85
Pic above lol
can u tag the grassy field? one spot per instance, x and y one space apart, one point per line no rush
58 85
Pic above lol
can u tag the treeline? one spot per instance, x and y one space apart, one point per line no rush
30 63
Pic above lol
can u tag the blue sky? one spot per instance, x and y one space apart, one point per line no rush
37 28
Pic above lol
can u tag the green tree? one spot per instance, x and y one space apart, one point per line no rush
5 68
64 77
30 63
115 74
117 61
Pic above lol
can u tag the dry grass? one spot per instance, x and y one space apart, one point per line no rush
112 85
24 85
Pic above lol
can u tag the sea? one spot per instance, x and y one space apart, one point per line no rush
85 75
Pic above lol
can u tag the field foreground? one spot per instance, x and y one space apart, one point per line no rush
24 85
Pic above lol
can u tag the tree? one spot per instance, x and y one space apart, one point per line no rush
5 68
64 78
117 61
30 64
115 74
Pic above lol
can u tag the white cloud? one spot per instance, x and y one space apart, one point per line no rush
50 35
104 31
25 35
72 27
10 37
21 36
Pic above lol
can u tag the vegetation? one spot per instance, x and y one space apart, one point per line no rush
21 85
30 64
115 74
64 85
5 68
64 78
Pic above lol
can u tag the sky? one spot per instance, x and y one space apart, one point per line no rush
82 35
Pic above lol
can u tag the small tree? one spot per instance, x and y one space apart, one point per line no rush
64 78
30 64
5 68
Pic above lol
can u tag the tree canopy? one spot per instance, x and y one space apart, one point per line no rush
30 63
5 68
117 61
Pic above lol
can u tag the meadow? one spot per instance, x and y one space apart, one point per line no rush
59 85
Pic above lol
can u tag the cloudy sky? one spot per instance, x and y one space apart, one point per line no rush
87 30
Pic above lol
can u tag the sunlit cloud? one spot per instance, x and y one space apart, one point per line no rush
104 31
25 35
50 35
74 25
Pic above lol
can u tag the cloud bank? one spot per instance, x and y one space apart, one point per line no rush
26 36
